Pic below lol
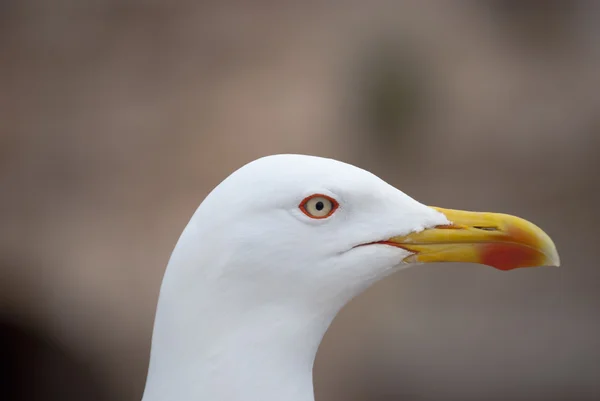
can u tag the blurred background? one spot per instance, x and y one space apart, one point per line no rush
118 117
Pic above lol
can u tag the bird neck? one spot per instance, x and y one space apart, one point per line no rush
211 343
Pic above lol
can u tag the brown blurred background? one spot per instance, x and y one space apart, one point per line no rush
118 117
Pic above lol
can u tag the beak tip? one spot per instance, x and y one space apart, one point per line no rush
554 260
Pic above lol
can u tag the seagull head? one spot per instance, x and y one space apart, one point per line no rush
311 227
273 253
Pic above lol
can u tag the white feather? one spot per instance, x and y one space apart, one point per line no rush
253 283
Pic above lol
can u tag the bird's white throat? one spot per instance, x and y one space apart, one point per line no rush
221 339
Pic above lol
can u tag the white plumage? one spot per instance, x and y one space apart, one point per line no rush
254 282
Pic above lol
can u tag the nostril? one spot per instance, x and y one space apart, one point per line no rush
487 228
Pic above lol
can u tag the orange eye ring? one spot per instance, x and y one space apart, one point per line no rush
318 206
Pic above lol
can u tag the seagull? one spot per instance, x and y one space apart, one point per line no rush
276 250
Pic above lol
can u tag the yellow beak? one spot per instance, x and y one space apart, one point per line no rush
499 240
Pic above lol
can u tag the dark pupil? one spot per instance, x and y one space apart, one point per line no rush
319 206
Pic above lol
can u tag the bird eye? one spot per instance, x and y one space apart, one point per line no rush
318 206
